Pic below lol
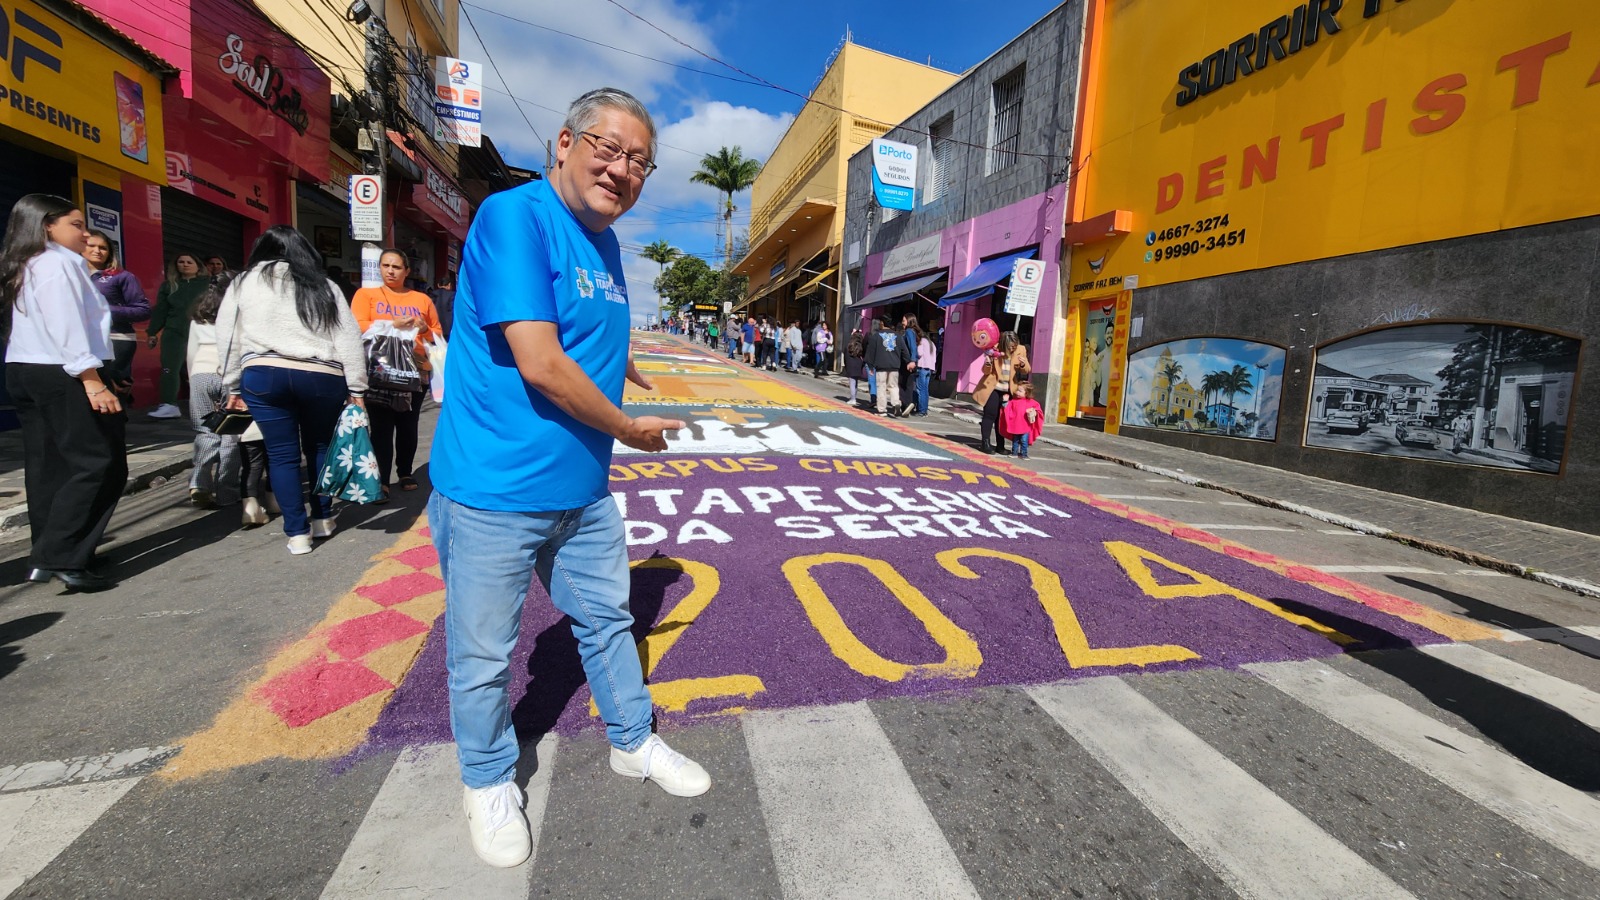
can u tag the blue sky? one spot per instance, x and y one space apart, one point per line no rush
786 44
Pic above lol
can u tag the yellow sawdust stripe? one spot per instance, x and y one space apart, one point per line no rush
249 731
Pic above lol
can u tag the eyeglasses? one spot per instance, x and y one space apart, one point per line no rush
609 151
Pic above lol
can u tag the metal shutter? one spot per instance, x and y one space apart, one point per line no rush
195 226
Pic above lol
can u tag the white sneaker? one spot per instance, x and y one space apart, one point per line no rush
300 544
322 529
677 774
498 827
165 411
252 514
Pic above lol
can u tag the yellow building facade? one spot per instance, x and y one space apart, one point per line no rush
798 199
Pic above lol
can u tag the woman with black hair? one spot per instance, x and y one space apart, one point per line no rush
293 356
186 281
129 306
58 336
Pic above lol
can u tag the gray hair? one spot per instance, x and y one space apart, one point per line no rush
585 111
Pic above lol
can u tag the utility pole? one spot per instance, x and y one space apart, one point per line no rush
377 78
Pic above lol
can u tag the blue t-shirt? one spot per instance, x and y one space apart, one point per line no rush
500 444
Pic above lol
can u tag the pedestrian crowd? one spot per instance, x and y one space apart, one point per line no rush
279 345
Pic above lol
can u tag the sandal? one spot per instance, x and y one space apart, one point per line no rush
408 483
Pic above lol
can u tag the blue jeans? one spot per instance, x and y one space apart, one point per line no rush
872 381
924 376
297 412
488 560
1019 445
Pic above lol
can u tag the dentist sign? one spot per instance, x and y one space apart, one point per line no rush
894 174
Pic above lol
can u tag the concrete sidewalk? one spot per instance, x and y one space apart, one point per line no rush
157 449
1555 556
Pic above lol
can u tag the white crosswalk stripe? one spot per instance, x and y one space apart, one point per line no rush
414 840
1565 817
1579 702
1259 844
35 826
844 816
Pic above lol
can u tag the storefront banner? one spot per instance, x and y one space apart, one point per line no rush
440 200
252 75
909 259
202 162
894 174
458 101
1254 134
68 89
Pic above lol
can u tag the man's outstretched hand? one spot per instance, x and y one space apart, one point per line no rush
646 433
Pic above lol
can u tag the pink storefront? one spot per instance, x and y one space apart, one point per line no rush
245 120
247 117
959 274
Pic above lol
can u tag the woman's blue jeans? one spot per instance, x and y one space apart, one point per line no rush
297 412
488 560
924 376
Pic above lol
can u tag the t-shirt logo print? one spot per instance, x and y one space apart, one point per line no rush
585 286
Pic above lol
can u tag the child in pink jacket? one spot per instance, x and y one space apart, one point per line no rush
1021 419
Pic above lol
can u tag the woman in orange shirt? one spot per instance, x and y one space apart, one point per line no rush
394 415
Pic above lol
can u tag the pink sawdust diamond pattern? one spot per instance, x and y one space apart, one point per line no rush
358 637
419 557
401 588
310 691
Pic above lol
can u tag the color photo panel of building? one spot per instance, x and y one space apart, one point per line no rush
1466 393
1210 385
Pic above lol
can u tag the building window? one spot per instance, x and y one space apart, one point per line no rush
419 94
890 213
941 159
1005 125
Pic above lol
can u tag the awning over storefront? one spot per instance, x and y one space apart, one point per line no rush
980 282
884 294
770 288
811 286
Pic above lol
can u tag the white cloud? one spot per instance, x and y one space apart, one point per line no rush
550 69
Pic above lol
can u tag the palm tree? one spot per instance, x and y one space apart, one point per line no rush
1212 385
1237 381
1171 370
660 253
729 172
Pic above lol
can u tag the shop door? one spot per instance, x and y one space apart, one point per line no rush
24 172
189 225
1094 375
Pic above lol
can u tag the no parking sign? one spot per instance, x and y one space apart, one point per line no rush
366 208
1027 277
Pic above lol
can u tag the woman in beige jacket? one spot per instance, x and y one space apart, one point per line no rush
1003 366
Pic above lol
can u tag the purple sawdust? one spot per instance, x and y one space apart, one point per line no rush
756 625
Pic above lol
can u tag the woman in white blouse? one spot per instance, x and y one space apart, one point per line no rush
74 452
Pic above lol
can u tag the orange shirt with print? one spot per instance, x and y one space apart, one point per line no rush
377 304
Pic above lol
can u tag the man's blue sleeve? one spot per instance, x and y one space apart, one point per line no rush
506 263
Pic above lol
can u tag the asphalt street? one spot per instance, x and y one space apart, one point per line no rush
910 669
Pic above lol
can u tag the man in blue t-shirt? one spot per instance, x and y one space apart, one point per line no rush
522 454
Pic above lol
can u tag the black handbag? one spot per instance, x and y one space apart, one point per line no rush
227 421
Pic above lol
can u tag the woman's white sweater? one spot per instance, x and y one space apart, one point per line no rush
260 305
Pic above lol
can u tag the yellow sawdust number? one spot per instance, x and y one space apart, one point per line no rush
1069 632
676 695
962 656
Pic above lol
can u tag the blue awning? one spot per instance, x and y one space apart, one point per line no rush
980 282
888 293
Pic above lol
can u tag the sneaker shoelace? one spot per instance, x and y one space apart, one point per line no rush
658 753
500 806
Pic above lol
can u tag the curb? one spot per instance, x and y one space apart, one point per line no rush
15 519
1471 557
